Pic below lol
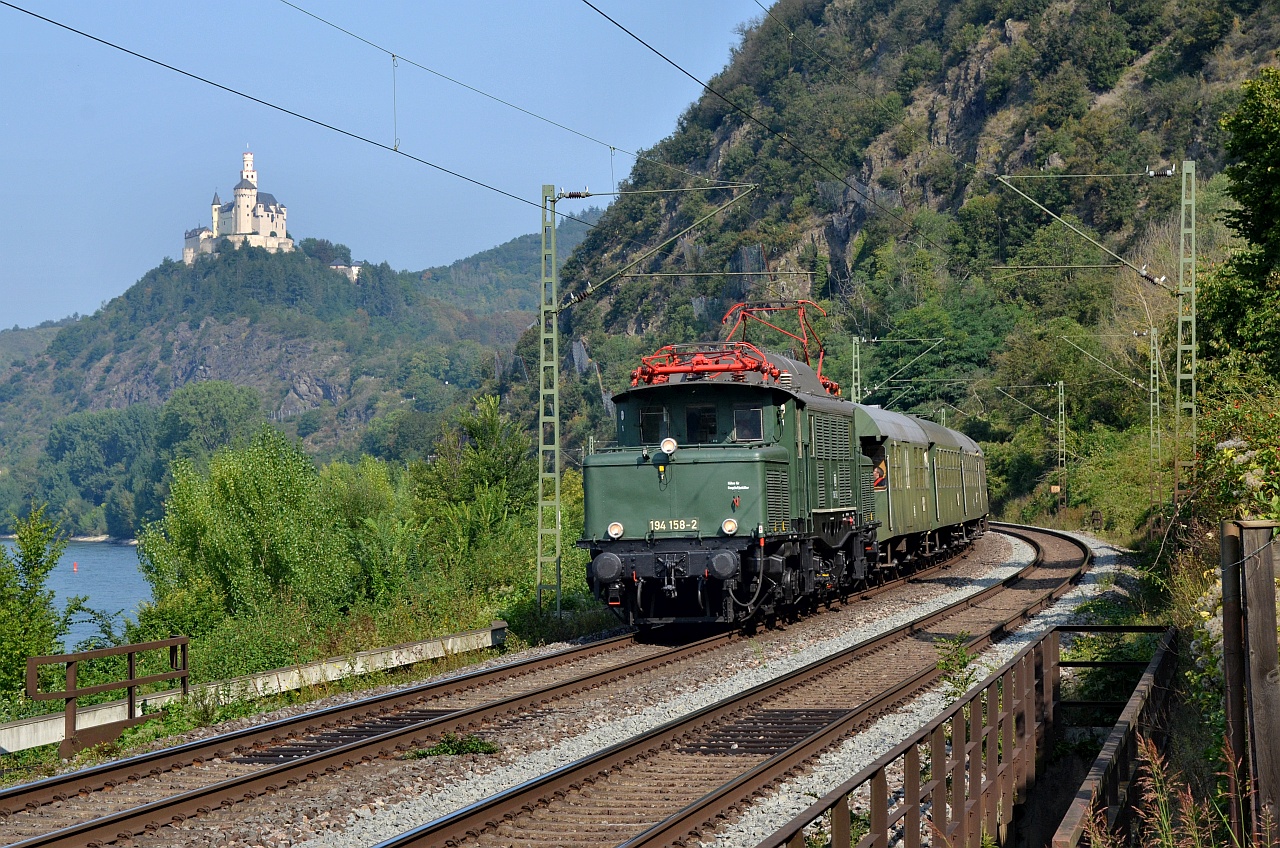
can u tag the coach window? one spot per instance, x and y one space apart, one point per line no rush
748 424
700 424
653 425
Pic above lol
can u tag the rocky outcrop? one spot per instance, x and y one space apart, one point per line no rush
293 375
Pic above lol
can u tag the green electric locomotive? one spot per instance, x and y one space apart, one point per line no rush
742 486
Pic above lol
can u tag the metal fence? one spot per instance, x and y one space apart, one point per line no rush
961 777
76 739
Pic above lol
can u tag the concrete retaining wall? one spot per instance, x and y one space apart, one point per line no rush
48 729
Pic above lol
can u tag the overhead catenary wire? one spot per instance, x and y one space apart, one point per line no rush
721 274
781 136
1032 409
1071 176
877 387
530 113
592 288
1142 272
1100 362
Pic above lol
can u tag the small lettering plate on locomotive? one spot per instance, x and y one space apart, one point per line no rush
659 524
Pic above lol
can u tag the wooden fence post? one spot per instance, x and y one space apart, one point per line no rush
1263 673
1233 672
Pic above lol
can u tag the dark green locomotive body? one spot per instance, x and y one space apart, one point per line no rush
737 495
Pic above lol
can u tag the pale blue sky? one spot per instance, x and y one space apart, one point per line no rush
107 159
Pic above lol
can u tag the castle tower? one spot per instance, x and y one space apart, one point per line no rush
246 197
217 204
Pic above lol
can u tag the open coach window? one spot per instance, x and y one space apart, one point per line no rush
748 424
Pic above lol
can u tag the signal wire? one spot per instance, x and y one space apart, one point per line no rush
592 288
496 99
1100 362
315 121
781 136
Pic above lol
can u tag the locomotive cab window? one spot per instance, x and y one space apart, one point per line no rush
700 425
873 450
653 425
748 424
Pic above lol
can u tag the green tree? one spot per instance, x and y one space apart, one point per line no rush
201 417
1240 303
30 625
253 529
1254 141
484 451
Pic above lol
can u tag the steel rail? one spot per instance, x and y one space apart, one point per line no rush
176 808
471 820
31 795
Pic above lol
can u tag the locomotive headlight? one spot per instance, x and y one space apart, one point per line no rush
615 530
729 526
669 446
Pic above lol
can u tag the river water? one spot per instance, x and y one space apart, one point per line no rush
108 574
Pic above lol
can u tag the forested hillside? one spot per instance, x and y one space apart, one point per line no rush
876 134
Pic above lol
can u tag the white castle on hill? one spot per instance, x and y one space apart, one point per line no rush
253 217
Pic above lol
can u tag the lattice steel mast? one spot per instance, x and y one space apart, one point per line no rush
549 405
1184 418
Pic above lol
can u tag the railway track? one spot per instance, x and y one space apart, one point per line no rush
673 784
123 799
153 789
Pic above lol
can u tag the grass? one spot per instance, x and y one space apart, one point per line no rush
1170 815
955 662
455 746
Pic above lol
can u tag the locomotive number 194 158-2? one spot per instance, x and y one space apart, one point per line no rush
658 524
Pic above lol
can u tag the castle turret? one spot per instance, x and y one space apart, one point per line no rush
217 204
247 172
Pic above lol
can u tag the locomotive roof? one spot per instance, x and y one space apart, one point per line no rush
798 380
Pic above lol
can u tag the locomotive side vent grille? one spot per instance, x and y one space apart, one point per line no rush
822 485
779 506
844 486
868 499
831 437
